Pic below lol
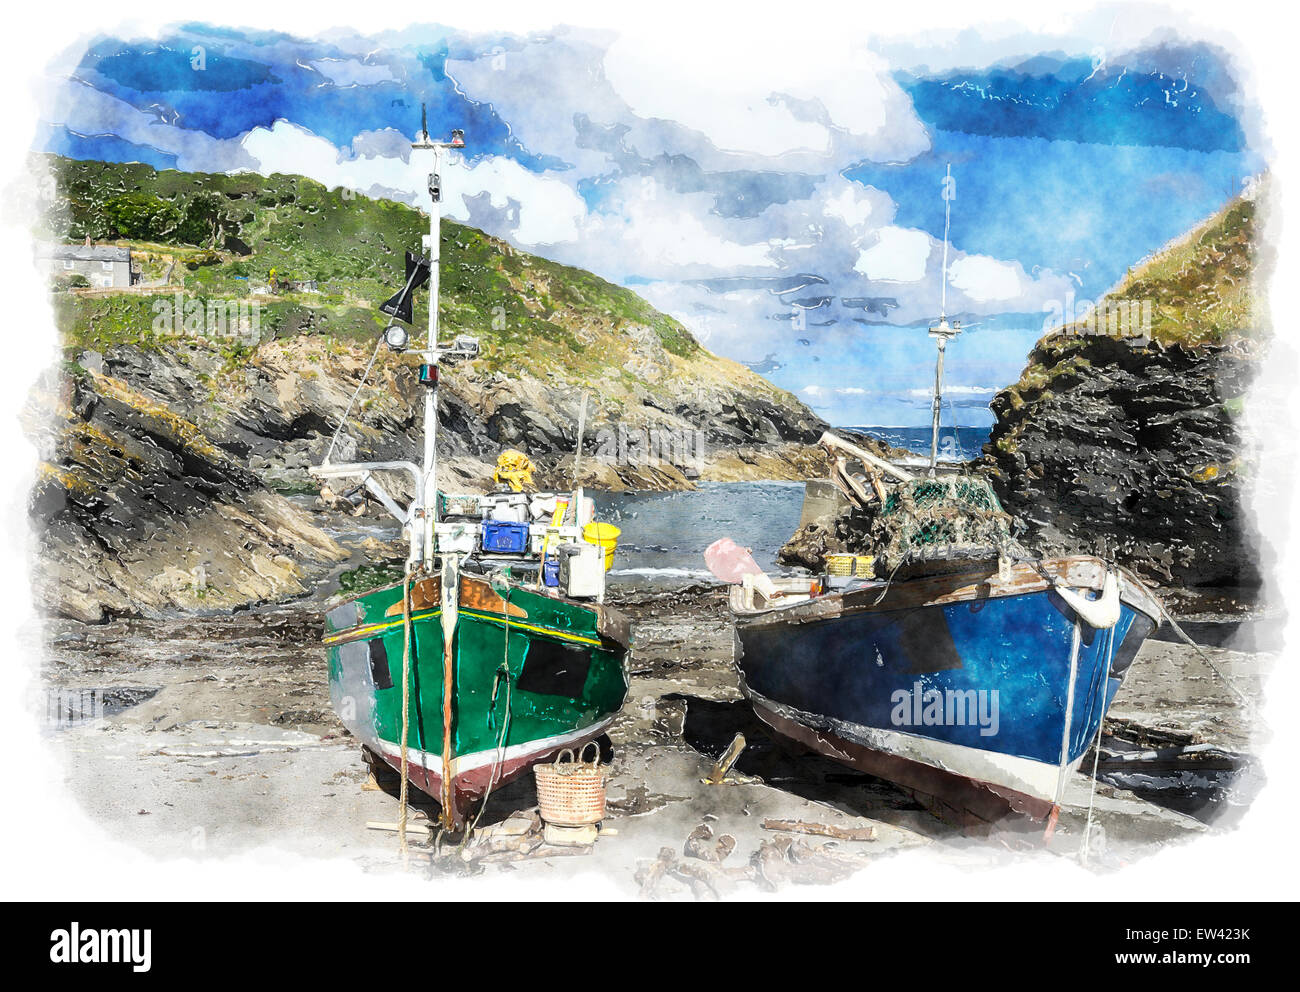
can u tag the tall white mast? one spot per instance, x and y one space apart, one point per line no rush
432 353
419 516
942 331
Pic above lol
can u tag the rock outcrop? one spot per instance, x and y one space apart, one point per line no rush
1124 437
138 513
1133 452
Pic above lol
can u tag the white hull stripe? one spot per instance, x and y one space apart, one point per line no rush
1024 775
468 762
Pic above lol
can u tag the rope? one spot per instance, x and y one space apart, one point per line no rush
1098 685
505 723
1092 792
1244 699
406 712
355 393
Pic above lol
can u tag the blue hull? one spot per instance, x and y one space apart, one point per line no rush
980 688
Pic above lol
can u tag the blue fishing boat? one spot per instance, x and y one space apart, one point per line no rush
940 654
978 691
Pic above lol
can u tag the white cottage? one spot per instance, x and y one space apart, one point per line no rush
104 266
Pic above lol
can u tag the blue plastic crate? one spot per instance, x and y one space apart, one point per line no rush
505 537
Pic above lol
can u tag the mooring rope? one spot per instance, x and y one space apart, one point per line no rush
500 757
1098 686
1245 700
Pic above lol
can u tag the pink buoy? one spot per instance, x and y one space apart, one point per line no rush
729 561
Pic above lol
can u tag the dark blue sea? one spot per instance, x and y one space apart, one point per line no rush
956 444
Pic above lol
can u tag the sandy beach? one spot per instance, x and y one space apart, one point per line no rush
217 737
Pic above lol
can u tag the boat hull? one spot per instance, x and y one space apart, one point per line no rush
976 693
531 675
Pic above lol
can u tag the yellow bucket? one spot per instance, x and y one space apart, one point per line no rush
603 536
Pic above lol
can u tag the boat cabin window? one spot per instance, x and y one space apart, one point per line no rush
554 669
379 673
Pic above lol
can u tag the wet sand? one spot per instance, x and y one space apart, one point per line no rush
218 737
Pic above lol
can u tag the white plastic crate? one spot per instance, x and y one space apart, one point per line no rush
559 535
455 537
582 575
505 506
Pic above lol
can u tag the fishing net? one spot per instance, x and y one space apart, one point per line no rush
955 518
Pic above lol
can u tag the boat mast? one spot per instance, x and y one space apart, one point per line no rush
419 516
432 353
942 331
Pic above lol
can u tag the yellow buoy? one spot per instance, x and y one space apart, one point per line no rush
603 536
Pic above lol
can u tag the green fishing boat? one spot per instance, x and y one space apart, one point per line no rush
471 668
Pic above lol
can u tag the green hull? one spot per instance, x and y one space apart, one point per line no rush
532 674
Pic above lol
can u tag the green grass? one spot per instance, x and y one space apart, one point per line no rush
1201 291
1201 286
529 312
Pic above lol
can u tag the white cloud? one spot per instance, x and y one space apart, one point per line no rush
548 210
899 255
766 104
954 391
651 231
986 279
852 205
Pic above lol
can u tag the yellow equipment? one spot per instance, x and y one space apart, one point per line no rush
604 536
514 469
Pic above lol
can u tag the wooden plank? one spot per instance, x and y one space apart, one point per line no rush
821 829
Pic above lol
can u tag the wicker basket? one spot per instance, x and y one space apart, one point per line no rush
572 793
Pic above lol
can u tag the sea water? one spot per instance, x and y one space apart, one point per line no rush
956 444
665 533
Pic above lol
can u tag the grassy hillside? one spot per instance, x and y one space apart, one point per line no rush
550 334
1200 289
1200 286
224 235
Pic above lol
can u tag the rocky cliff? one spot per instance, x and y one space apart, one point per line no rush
138 513
1123 434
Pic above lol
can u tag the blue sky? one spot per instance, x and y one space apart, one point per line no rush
789 213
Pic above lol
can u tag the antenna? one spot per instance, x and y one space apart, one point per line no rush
949 191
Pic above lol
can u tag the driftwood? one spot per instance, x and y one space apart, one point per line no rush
784 861
703 845
709 882
729 757
652 874
837 445
821 829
